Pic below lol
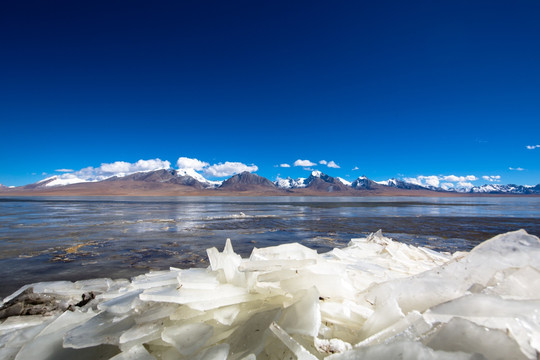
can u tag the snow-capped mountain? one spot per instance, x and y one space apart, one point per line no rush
485 189
290 183
192 173
315 179
363 182
400 184
317 182
505 189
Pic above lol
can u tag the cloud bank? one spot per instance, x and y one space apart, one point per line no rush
332 164
228 169
532 147
445 182
188 163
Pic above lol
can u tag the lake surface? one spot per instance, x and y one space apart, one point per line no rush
43 239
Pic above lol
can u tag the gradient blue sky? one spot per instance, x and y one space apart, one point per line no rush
395 88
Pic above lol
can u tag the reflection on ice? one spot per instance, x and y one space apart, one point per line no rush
374 299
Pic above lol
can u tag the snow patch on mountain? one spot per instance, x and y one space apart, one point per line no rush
194 174
290 183
344 182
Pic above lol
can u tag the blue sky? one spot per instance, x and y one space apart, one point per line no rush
393 88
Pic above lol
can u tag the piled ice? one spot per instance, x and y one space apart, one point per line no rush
375 299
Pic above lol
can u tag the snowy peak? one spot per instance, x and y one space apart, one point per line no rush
195 175
362 182
290 183
400 184
504 189
323 182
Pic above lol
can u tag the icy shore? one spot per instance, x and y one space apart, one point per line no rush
374 299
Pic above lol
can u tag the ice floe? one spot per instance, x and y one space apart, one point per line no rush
374 299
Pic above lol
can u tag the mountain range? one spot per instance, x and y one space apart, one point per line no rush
172 182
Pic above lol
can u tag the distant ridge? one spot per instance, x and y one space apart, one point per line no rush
247 182
189 182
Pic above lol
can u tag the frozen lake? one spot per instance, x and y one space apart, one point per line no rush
45 239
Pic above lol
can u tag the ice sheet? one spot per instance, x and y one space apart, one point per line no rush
376 298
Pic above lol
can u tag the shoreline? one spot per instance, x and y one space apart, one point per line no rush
217 193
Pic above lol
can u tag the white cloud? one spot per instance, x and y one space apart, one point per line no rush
189 163
445 181
465 185
228 169
304 163
332 164
284 165
323 162
454 178
447 186
532 147
492 178
356 168
64 170
422 180
431 180
516 169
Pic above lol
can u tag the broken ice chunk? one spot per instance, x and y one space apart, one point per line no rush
293 251
197 279
155 279
227 262
104 328
274 265
518 319
304 316
218 352
48 343
182 295
345 312
187 338
249 338
122 303
150 312
137 352
463 335
141 333
297 349
410 328
407 350
522 283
